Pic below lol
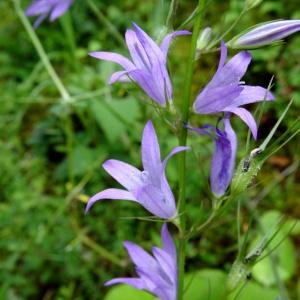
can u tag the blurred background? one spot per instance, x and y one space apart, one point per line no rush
51 152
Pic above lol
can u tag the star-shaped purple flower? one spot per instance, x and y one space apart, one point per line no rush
156 274
148 67
44 8
150 187
226 93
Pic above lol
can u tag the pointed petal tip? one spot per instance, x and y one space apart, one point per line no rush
87 208
93 54
127 243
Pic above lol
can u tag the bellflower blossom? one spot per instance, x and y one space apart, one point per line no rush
150 187
156 274
44 8
226 93
148 67
265 34
223 161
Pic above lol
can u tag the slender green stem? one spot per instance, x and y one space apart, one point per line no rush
236 21
68 127
67 26
41 52
102 18
171 13
102 251
182 141
56 80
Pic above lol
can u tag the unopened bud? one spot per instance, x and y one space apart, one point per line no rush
237 276
204 38
264 34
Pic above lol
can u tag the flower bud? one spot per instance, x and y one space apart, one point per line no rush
204 38
237 276
265 34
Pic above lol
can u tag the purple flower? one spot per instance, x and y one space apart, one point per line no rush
44 8
148 67
223 161
226 93
150 187
156 274
265 34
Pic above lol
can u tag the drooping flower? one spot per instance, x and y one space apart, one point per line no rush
265 34
149 187
47 8
148 67
157 273
226 92
223 161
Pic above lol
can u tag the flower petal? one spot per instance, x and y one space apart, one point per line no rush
164 46
246 116
223 57
135 282
151 153
154 200
114 57
153 51
251 94
174 151
223 160
165 261
59 9
110 194
158 62
147 82
137 51
233 71
214 100
142 259
121 76
37 8
39 20
168 243
127 175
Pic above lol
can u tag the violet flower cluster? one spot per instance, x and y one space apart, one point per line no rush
47 8
226 93
224 96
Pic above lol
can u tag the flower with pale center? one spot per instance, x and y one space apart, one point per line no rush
149 187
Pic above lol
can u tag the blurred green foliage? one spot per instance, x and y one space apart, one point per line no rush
51 153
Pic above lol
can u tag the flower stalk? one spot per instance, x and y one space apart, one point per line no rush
41 52
182 142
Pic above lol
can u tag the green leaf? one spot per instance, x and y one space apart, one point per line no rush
285 254
253 291
115 116
205 284
123 291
